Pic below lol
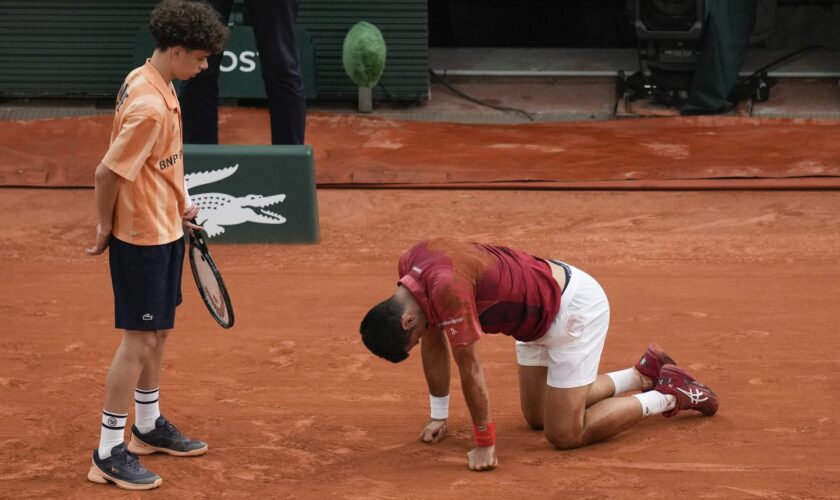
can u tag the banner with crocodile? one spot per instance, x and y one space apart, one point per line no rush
253 194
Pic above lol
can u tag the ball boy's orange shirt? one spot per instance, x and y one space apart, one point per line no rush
147 153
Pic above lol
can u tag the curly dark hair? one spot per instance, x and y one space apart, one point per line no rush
189 24
382 331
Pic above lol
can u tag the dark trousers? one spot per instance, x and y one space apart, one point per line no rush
725 44
273 22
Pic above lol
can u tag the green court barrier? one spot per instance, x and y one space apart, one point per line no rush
241 77
253 194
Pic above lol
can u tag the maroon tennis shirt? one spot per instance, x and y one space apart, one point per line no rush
468 289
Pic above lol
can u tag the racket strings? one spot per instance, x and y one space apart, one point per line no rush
210 286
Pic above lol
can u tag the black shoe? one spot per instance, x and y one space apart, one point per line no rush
123 469
165 438
694 111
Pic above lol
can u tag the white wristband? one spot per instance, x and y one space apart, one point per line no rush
440 407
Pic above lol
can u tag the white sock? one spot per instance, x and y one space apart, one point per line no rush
146 409
654 402
112 433
625 381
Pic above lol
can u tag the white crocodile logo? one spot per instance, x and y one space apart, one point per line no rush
219 209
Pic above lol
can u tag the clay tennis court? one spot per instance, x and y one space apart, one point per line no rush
739 285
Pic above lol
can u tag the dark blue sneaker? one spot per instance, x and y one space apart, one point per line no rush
165 438
123 469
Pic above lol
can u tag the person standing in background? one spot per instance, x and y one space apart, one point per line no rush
273 23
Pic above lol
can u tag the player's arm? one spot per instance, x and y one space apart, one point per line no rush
435 351
106 184
483 456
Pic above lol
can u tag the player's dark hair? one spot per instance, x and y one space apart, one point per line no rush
382 331
190 24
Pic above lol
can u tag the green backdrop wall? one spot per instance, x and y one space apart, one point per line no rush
58 48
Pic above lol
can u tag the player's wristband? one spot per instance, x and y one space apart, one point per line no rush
439 406
485 437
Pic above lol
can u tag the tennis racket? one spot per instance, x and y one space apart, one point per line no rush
209 280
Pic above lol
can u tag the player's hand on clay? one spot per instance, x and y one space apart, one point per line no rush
189 214
483 458
434 432
101 243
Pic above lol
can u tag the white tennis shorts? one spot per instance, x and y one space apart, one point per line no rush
572 346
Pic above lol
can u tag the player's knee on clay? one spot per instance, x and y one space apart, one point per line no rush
565 440
535 424
532 418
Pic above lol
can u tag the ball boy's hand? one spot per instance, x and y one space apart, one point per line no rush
101 243
189 214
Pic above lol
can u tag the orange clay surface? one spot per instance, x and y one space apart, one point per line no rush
352 149
739 287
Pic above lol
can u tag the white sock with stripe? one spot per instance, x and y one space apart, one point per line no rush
654 402
147 409
625 381
112 433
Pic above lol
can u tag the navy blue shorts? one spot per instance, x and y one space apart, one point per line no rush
147 284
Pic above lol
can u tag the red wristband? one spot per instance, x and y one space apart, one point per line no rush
485 437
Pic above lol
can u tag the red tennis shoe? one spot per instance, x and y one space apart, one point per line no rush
690 394
652 361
